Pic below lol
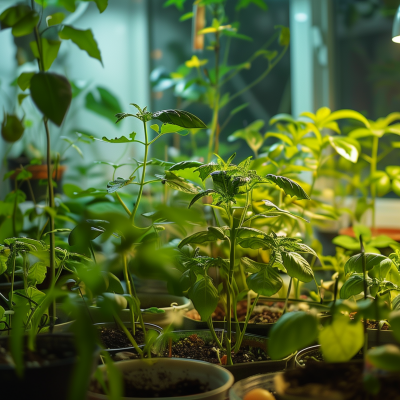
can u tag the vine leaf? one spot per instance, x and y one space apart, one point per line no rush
289 187
181 118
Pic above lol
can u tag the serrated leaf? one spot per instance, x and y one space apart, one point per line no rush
206 169
178 183
37 273
117 184
355 263
204 296
289 187
354 285
200 195
297 267
122 139
267 282
273 210
185 165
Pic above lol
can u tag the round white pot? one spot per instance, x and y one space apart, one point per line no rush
174 308
218 378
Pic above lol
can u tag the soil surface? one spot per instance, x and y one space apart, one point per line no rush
193 347
42 357
371 324
113 338
320 380
162 387
263 316
316 356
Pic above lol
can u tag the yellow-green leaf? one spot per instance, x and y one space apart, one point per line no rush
49 51
55 19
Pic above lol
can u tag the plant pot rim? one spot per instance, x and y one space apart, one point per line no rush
393 233
185 301
184 362
128 324
57 363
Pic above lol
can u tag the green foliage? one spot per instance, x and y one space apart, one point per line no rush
52 95
266 282
204 297
292 332
12 128
297 267
49 51
386 357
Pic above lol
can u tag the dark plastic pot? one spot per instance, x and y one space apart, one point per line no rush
47 382
239 371
383 337
128 325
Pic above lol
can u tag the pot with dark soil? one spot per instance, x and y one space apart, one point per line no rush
252 358
115 340
54 359
333 381
165 378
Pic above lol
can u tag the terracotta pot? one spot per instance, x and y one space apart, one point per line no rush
174 370
40 172
393 233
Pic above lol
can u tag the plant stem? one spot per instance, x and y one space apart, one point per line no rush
52 310
128 334
287 296
123 204
374 156
146 151
213 334
241 336
228 292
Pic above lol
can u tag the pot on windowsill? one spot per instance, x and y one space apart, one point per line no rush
39 175
167 372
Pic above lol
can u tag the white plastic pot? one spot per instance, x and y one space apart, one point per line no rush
219 379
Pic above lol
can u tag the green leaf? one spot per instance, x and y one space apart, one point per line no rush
83 39
22 97
170 128
186 16
347 114
293 331
236 35
256 243
55 19
342 339
52 95
396 186
289 187
179 117
245 3
204 296
346 242
238 109
347 147
206 169
354 263
102 102
393 171
26 25
272 211
381 181
12 15
101 4
396 307
185 165
37 273
178 183
386 357
354 285
251 134
24 80
12 128
117 184
297 266
251 266
121 139
284 36
200 195
267 282
200 238
49 51
297 247
394 319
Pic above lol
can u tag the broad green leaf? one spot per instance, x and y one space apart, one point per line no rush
37 273
49 51
200 195
12 128
396 307
354 263
206 169
346 242
52 95
297 267
297 247
170 128
396 186
26 25
282 117
289 187
102 102
245 3
253 138
273 210
386 357
342 339
293 331
346 147
204 296
181 118
393 171
10 16
186 16
24 80
382 241
381 181
347 114
22 97
199 238
101 4
251 266
354 285
83 39
255 243
267 282
55 19
178 183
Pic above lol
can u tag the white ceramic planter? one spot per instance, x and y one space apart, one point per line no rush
218 378
174 308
